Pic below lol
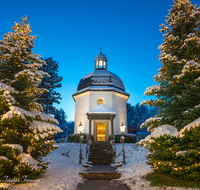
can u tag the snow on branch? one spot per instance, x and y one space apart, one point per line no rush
16 146
45 129
26 159
17 111
3 158
46 117
7 89
195 123
6 92
159 131
150 120
189 66
180 153
151 89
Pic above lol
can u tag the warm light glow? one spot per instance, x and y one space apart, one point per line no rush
100 63
122 128
80 127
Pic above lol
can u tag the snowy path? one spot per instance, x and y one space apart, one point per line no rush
62 173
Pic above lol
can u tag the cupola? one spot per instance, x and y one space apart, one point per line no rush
100 61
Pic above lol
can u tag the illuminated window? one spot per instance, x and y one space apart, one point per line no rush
100 64
100 101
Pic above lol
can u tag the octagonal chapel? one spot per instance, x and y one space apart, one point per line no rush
100 102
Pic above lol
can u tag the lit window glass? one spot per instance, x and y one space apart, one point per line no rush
100 101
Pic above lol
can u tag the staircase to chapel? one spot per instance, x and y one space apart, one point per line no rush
101 153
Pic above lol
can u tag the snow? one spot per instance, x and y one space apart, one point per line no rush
49 128
195 123
165 130
26 159
160 47
7 88
181 153
151 89
151 119
160 131
3 158
62 172
100 88
46 117
17 146
17 111
101 109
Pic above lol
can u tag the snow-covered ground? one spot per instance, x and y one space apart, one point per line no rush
62 173
136 167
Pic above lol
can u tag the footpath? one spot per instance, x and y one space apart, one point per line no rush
101 174
101 177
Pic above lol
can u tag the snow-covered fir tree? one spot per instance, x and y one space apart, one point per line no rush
48 98
177 91
173 152
25 132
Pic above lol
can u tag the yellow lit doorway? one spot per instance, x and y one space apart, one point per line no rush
101 129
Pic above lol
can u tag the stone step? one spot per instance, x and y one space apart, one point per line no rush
100 176
100 172
101 153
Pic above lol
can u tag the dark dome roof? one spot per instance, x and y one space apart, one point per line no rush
101 78
101 55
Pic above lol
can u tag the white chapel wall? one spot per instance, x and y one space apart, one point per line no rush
119 106
88 101
81 108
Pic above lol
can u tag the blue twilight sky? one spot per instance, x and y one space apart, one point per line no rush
72 32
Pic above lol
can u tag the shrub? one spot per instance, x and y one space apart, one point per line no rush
128 138
76 138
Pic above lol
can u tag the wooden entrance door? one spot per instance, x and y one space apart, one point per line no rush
101 132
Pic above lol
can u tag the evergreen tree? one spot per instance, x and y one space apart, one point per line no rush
48 98
130 114
23 129
61 116
177 153
137 114
178 92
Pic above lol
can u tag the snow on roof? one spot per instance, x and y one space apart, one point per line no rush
101 109
46 117
17 111
101 88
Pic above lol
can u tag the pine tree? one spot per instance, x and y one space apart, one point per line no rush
23 129
50 97
177 153
61 116
177 92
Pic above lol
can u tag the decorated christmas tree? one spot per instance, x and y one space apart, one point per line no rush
174 141
177 91
25 132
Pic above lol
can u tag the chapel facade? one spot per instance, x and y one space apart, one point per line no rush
100 102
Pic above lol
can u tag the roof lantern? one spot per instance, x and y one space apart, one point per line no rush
101 61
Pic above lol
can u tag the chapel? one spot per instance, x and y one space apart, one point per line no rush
100 102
